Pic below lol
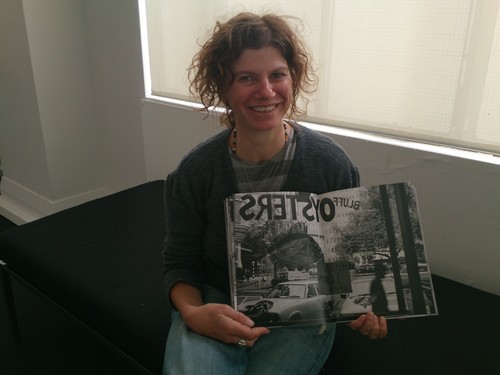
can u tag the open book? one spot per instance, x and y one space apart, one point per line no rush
299 258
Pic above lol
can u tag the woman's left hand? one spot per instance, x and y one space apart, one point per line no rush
371 325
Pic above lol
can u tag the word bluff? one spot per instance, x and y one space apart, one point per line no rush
285 207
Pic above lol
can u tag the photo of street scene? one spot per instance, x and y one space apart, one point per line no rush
299 258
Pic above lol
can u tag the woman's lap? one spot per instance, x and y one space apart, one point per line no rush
286 350
291 350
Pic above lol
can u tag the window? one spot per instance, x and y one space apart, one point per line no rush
311 291
426 70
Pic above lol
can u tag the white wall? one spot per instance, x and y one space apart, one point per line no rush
70 118
73 127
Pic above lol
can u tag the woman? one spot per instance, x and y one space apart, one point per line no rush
256 67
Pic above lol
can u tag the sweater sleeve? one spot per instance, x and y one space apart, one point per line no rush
355 178
183 250
320 165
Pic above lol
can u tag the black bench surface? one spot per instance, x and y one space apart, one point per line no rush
101 262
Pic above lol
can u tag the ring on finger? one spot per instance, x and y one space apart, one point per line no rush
242 342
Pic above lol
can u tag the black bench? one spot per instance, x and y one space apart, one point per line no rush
101 263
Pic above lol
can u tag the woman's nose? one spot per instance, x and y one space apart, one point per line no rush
266 88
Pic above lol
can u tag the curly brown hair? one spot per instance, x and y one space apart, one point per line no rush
210 71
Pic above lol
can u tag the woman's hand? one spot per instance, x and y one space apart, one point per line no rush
375 327
222 323
215 320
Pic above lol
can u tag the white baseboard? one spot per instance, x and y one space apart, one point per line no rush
22 205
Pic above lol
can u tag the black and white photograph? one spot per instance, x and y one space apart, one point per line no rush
300 258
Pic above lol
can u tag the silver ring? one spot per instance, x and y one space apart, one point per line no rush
242 342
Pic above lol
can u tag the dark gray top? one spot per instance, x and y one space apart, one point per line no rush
195 245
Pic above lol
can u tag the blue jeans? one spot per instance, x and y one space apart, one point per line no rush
286 350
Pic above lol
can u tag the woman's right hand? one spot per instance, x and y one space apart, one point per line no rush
222 323
218 321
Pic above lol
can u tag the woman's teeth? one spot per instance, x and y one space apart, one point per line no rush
264 109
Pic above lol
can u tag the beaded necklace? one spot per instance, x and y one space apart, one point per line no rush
234 135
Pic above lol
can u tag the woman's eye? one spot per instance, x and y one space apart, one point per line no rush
279 75
245 79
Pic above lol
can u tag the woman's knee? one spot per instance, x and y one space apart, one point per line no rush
189 353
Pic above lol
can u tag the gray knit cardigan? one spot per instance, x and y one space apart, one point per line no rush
195 245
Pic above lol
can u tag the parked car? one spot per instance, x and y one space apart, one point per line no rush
360 300
364 268
289 301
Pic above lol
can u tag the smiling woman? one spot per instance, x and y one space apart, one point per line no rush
256 67
258 100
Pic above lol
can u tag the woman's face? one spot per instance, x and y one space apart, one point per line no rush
260 93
